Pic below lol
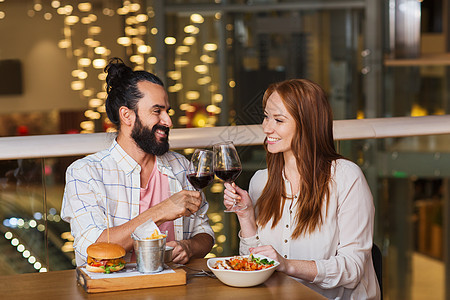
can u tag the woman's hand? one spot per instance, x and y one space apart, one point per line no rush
303 269
270 252
234 194
246 217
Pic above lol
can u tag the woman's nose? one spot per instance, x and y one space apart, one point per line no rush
267 128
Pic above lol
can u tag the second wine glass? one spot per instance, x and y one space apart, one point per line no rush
227 166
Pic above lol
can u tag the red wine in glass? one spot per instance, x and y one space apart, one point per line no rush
229 175
201 168
200 181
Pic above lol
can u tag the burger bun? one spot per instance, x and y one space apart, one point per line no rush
103 250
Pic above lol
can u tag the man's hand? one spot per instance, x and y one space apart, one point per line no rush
183 203
181 252
196 247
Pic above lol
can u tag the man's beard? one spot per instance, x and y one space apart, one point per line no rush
146 138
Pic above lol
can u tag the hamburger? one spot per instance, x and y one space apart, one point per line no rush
105 258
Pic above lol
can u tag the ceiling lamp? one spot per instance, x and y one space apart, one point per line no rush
137 59
170 40
75 73
87 125
144 49
84 62
131 30
197 18
94 102
192 95
85 6
64 44
78 52
99 63
131 20
204 80
210 47
124 41
142 30
68 9
184 106
92 17
134 7
56 4
87 93
189 40
101 109
77 85
182 49
94 30
71 20
191 29
206 59
85 21
37 6
88 41
82 75
202 69
102 95
142 18
61 11
102 76
213 109
181 63
152 60
174 75
100 50
175 88
123 10
217 97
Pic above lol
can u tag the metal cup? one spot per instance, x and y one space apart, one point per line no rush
149 254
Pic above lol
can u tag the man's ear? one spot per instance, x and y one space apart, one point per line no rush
127 116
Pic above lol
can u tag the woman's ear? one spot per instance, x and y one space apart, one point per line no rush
126 115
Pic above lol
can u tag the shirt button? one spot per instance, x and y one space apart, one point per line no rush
287 226
285 241
295 196
285 256
290 212
257 237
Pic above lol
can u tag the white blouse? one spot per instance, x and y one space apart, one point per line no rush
341 248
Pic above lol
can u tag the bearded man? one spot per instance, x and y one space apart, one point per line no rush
137 178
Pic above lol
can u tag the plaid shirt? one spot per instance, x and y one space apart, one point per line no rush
104 189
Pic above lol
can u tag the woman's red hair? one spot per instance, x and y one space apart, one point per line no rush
314 150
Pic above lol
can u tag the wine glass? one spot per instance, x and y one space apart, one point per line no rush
227 167
201 169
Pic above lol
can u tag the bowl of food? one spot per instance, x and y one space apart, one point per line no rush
243 270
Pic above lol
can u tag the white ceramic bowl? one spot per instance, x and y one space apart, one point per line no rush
241 278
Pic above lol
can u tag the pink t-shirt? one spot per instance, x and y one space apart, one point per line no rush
156 191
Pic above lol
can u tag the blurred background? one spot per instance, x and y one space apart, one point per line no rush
375 59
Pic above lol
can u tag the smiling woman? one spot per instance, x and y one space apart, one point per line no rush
307 197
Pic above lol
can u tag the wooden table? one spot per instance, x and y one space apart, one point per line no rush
63 285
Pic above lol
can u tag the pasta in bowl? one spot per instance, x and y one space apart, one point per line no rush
243 270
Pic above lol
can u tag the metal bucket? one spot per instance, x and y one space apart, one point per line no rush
149 254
